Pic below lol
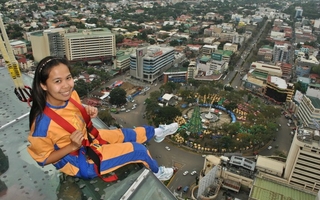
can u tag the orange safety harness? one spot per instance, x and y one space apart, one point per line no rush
89 149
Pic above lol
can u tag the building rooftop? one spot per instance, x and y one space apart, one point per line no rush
243 162
315 101
281 83
89 33
260 74
225 53
123 57
22 178
176 69
205 58
270 164
264 189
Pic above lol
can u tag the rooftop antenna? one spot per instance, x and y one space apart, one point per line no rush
21 91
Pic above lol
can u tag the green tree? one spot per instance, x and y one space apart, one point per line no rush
186 64
185 93
154 96
169 87
316 70
81 87
106 117
119 38
174 43
92 21
152 41
90 70
194 82
166 115
118 96
203 90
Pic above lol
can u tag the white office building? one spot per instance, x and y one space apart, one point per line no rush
148 63
90 44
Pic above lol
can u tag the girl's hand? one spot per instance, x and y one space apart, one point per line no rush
76 139
92 111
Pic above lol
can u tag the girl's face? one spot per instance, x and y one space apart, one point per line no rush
59 85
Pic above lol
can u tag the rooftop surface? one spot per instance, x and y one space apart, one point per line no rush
22 178
315 101
266 190
281 83
260 74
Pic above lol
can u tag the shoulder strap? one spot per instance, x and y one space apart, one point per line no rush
84 113
59 120
68 127
90 151
90 128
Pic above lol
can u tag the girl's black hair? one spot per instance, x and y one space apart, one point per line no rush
41 75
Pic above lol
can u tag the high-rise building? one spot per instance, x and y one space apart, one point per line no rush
86 45
278 89
48 43
309 110
149 63
302 165
90 44
299 12
281 53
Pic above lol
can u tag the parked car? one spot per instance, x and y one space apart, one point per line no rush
185 173
193 173
179 188
185 189
269 147
167 148
127 110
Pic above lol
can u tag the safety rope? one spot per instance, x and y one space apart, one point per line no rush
21 91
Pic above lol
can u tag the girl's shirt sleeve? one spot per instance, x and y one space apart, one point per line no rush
41 145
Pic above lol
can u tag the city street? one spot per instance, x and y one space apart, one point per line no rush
283 139
186 160
178 157
241 64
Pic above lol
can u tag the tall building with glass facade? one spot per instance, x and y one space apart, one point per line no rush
48 43
148 63
299 12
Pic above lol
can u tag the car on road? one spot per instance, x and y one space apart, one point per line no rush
179 188
127 110
167 148
269 147
185 173
193 173
288 124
